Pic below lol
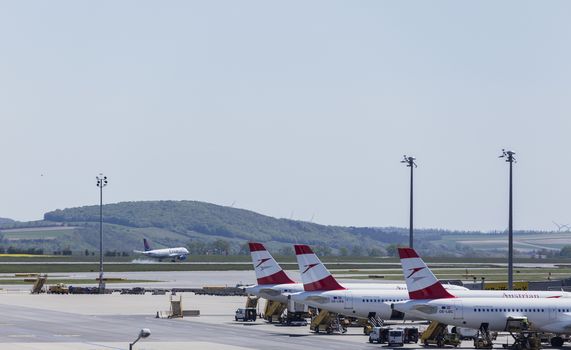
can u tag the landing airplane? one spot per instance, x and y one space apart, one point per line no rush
179 253
430 301
323 291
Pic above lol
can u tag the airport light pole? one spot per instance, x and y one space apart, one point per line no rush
409 161
101 182
144 333
509 157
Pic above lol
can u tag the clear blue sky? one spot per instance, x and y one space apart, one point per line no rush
292 108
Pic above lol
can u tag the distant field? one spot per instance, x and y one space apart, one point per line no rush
48 233
549 241
26 256
490 274
353 260
69 282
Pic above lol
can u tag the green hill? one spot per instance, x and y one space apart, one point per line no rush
172 223
213 229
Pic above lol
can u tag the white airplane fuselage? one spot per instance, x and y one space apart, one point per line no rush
276 292
361 303
179 253
544 314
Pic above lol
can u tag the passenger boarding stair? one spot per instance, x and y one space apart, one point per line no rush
437 334
176 307
39 284
274 310
327 322
372 321
483 339
252 302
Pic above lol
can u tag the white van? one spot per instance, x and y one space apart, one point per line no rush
396 337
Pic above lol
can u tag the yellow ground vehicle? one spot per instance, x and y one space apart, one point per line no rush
59 288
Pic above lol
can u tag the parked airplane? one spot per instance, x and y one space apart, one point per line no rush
324 292
179 253
429 300
273 282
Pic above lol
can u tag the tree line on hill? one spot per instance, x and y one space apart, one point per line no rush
209 229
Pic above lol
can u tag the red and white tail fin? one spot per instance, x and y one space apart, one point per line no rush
268 271
420 281
314 275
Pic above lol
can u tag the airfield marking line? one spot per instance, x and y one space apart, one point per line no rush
22 335
67 335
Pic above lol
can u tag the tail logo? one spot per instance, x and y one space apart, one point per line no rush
261 261
415 270
307 267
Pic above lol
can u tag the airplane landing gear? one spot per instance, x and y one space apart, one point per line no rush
556 342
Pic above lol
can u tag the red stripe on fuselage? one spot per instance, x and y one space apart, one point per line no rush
328 283
435 291
277 278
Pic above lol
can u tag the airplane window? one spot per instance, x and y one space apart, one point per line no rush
474 310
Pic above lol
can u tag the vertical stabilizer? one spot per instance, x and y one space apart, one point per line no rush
314 274
420 281
268 271
147 246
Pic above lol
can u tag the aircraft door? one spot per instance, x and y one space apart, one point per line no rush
458 310
348 300
552 313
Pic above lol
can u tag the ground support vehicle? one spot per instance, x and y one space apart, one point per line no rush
273 311
396 337
379 335
524 338
246 314
59 288
437 334
327 322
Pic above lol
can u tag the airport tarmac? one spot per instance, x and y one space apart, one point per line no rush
111 321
